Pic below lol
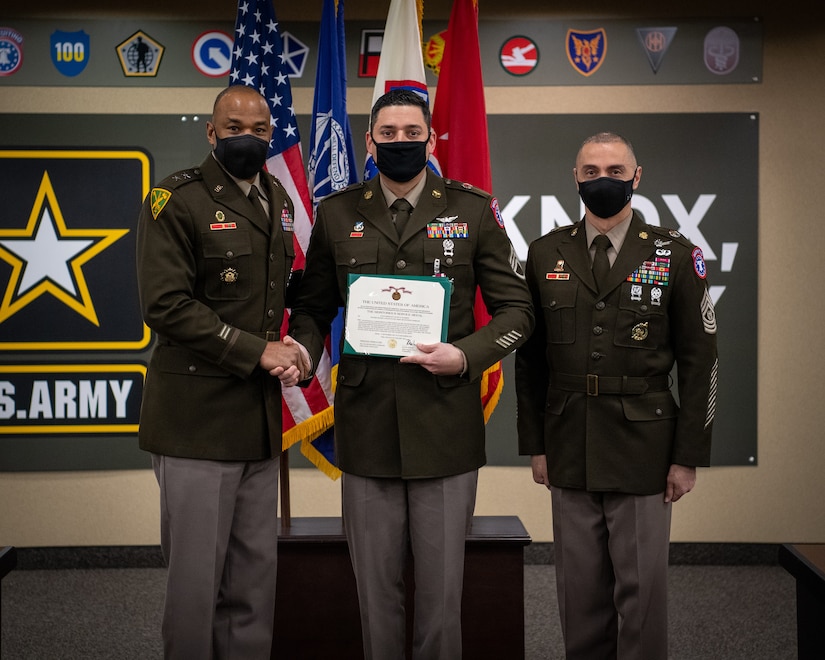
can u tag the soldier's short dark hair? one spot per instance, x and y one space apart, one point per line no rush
401 97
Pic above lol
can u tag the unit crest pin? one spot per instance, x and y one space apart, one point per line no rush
229 276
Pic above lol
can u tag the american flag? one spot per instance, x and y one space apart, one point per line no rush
258 61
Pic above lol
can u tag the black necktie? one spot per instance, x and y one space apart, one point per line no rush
601 264
255 198
402 210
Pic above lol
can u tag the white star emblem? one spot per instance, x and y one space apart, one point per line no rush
47 257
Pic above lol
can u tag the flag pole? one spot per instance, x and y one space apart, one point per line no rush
286 514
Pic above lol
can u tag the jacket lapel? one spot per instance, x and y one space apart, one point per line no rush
576 256
430 205
373 208
226 192
277 203
635 249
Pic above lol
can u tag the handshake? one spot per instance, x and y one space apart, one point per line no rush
287 360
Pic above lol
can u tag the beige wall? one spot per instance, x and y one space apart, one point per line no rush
777 501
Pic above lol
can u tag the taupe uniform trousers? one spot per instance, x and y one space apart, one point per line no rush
384 518
219 538
611 556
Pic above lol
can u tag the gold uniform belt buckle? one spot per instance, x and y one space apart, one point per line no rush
592 385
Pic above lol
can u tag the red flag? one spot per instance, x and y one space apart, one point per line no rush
459 114
463 148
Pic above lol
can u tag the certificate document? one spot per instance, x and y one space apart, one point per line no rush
386 315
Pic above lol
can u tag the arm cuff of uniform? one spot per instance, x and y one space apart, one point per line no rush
307 356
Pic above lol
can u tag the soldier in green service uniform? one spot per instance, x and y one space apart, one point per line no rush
409 432
595 410
214 254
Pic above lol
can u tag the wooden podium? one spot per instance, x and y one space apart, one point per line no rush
316 613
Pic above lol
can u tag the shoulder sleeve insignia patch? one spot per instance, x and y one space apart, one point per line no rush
699 263
496 212
159 197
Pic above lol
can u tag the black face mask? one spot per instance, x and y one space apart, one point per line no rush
605 197
243 156
400 161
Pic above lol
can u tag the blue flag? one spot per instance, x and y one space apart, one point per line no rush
330 168
332 154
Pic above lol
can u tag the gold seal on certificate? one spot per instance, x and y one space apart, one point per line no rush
387 315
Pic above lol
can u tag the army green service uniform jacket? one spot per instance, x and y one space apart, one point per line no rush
593 383
399 420
212 272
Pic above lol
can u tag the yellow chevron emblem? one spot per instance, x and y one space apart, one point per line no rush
159 197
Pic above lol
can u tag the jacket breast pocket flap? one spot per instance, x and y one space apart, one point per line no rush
227 245
355 254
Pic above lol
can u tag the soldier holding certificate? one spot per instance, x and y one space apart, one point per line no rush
409 432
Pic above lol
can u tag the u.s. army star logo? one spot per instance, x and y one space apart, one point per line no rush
68 279
47 257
